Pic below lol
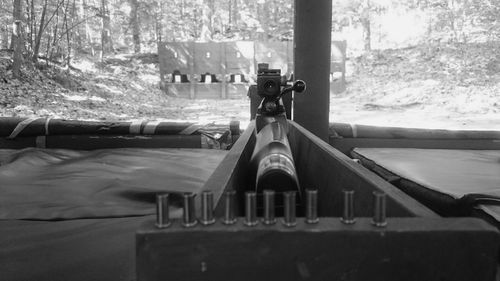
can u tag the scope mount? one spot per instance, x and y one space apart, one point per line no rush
272 106
271 109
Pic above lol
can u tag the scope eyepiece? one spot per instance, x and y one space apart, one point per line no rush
270 87
269 83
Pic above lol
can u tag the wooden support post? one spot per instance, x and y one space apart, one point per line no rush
192 80
223 64
312 64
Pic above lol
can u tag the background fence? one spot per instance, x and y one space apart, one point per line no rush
225 70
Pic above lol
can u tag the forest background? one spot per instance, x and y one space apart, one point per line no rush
431 63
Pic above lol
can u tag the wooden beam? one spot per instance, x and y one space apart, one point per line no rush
312 40
407 249
323 167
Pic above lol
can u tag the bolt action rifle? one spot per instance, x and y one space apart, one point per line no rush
272 159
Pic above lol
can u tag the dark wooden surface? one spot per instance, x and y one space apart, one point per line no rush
312 41
322 167
407 249
318 166
416 244
347 144
232 173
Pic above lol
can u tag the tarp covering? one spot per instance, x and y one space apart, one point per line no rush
55 184
444 178
457 173
80 209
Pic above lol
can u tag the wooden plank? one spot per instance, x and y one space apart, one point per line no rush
181 90
321 166
407 249
175 56
239 57
346 145
208 91
208 58
232 173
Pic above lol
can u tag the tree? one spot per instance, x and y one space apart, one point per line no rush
5 22
262 9
134 23
365 22
4 37
206 19
17 41
106 40
41 28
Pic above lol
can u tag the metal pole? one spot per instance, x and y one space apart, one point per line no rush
312 47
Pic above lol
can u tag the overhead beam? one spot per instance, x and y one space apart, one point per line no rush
312 44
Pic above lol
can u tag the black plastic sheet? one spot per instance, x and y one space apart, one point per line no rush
55 184
451 182
72 215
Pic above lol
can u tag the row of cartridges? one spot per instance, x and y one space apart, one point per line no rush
289 219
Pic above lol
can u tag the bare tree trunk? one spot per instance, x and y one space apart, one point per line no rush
236 13
18 39
183 26
207 29
41 28
106 41
30 22
54 39
158 22
68 35
5 37
47 51
88 35
233 13
230 12
80 30
134 22
365 22
262 10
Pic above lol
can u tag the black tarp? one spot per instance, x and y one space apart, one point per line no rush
72 215
452 182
